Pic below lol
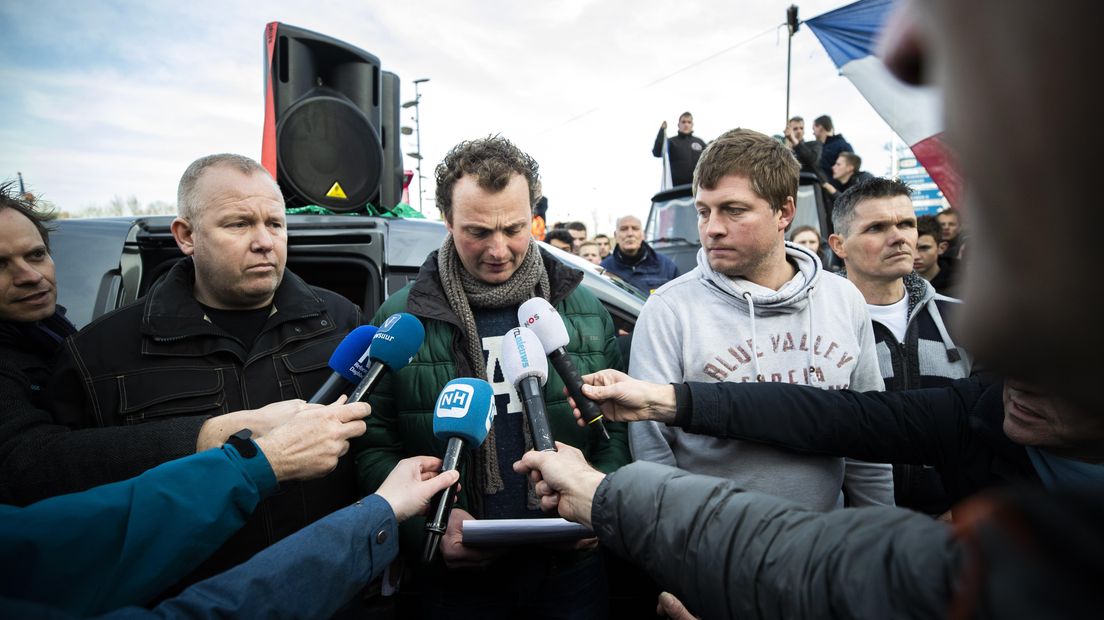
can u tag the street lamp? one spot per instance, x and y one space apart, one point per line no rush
417 154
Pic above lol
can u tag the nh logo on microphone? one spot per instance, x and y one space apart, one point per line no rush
454 402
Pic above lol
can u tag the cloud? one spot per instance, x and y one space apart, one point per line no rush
116 98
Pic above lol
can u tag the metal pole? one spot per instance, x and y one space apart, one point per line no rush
418 135
789 45
21 189
792 25
418 140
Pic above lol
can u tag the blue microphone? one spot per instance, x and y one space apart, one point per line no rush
526 368
462 417
394 345
345 363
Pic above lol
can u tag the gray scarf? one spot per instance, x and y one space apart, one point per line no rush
464 292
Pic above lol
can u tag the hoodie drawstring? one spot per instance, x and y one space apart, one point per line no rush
809 344
754 347
953 353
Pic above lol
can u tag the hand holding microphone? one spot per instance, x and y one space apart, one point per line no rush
525 367
539 316
393 346
462 417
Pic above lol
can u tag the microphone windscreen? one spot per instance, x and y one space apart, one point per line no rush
465 409
346 358
523 356
541 317
398 340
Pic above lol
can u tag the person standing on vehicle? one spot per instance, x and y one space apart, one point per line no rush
807 153
636 262
831 144
467 295
756 309
226 328
683 149
846 174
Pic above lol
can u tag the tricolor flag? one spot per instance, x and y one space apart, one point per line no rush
849 34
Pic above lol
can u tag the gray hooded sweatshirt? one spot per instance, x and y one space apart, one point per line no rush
814 330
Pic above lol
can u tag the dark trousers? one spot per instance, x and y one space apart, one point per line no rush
537 584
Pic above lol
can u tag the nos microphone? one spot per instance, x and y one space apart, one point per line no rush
462 417
393 346
525 367
540 317
345 363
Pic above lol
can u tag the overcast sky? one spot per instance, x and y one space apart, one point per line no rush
105 99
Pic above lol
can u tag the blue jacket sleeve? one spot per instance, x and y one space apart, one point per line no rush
310 574
123 543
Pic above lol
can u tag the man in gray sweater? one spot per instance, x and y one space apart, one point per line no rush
756 309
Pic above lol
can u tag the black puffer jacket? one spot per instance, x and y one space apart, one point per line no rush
727 553
160 359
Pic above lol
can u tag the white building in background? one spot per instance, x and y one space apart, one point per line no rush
927 198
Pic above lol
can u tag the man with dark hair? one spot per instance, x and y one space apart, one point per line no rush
683 149
604 245
832 144
846 173
578 232
560 238
636 262
807 153
226 328
930 263
876 236
951 226
756 309
467 295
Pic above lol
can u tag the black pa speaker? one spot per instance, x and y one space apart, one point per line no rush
322 127
391 184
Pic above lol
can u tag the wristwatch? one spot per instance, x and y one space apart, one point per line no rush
240 441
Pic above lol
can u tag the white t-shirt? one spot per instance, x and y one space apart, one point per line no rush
894 317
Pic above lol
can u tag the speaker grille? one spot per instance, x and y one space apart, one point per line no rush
326 140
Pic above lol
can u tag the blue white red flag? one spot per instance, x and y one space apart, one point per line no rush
850 36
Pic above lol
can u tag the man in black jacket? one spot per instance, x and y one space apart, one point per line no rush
683 150
832 144
40 458
226 328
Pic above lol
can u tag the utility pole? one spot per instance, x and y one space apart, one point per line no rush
792 24
417 154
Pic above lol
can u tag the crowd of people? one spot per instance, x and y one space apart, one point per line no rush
786 442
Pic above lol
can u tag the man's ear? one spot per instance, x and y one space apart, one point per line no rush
184 235
787 213
836 243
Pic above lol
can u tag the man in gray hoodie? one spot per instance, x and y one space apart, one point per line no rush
756 309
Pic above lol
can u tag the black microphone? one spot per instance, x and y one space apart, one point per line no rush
393 346
525 367
540 317
462 417
347 363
